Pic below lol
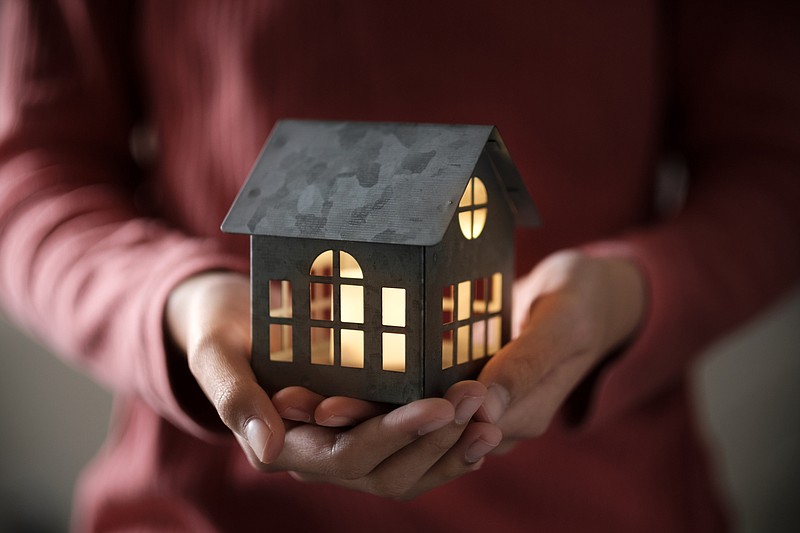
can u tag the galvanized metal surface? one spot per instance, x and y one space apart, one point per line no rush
389 183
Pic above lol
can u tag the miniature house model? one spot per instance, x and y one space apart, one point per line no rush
382 255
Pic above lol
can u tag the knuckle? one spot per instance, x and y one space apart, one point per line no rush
344 460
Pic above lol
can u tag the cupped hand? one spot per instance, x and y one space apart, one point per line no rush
397 453
570 312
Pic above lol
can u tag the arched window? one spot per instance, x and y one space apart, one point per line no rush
336 311
473 208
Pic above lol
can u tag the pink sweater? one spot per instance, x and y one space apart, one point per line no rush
586 95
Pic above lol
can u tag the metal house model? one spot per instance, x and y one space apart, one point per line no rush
382 255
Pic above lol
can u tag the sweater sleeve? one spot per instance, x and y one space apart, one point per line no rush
735 246
80 266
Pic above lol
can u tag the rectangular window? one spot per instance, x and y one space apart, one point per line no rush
447 304
496 293
322 346
478 339
447 349
280 343
394 307
464 300
280 298
495 334
479 296
321 301
462 345
353 348
352 302
394 352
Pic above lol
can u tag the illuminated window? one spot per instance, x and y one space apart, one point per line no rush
394 352
472 209
471 320
280 320
393 324
336 310
280 343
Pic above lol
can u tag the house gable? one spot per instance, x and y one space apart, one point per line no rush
369 182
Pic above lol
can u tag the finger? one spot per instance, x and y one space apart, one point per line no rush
478 440
224 374
338 411
397 476
297 403
354 453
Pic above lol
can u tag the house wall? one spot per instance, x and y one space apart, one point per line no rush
457 259
383 265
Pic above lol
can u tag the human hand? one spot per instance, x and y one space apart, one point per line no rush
399 453
569 313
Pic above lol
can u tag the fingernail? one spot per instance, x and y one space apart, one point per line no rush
477 450
293 413
257 434
337 421
497 399
433 425
466 408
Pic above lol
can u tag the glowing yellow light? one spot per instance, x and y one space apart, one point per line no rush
478 221
472 209
495 335
463 345
464 299
479 195
352 348
394 307
280 343
323 264
322 346
479 339
447 349
352 301
280 298
496 298
349 267
394 352
321 301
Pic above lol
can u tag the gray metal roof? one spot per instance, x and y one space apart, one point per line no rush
391 183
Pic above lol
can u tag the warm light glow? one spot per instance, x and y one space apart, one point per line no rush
321 301
394 307
494 335
394 352
280 298
464 300
447 349
478 221
479 296
349 267
447 304
478 340
280 343
323 264
322 346
465 223
472 209
463 345
479 195
352 302
496 294
353 348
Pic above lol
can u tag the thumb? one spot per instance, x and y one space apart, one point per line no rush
242 404
531 376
